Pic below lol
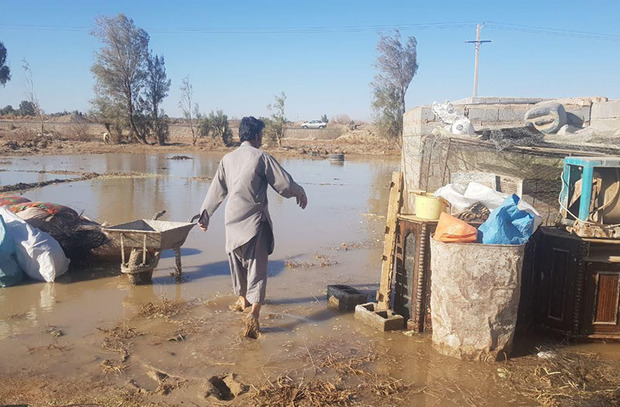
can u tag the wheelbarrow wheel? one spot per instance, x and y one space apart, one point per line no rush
137 272
143 277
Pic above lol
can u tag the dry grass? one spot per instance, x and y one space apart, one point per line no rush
343 374
284 391
51 347
320 260
176 313
79 131
110 366
567 379
119 340
165 309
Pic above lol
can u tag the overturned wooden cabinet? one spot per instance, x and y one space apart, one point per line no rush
578 284
412 284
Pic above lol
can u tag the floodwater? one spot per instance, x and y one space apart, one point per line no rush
57 330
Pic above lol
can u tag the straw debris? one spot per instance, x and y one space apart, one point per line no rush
567 379
119 340
166 309
342 374
284 391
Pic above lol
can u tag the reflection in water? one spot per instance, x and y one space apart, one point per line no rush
48 297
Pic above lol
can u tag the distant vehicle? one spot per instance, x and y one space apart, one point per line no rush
314 124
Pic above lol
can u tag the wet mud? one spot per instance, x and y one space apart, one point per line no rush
93 338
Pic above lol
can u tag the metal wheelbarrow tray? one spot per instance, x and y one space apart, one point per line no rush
148 238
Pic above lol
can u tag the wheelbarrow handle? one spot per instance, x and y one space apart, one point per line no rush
159 214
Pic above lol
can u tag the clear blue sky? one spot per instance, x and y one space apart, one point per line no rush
240 54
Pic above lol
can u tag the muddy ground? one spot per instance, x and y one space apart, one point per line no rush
94 339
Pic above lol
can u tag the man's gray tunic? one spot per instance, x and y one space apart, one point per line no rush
243 175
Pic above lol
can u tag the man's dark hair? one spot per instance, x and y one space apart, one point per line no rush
250 128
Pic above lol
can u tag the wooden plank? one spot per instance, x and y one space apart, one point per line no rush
387 261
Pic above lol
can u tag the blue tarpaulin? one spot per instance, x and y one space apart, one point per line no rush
507 224
10 272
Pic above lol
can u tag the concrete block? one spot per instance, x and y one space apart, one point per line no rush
382 320
605 110
492 100
525 101
483 114
577 116
610 125
344 297
420 114
512 113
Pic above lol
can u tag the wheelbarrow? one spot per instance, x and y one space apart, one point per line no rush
147 238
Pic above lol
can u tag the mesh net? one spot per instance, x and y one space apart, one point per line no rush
509 163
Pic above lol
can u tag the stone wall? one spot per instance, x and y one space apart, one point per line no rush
428 161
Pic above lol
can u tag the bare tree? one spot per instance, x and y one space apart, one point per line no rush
30 94
5 72
397 65
278 118
156 90
189 108
120 70
216 125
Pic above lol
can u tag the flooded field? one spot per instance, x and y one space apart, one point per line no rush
92 337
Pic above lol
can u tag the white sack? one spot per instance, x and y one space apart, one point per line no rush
455 123
38 254
461 198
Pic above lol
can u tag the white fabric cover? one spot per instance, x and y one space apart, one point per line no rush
38 254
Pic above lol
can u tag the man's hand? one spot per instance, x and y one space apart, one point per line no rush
302 201
202 220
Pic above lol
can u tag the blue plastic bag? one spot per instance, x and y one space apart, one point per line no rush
507 224
10 272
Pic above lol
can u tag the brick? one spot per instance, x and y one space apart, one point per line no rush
420 114
577 115
382 320
483 114
605 110
344 297
513 113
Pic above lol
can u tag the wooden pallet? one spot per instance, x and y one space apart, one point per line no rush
387 262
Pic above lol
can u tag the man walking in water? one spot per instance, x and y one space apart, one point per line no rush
243 176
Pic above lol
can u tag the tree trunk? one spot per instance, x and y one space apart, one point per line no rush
132 124
135 132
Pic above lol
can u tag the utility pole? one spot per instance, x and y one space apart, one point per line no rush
477 42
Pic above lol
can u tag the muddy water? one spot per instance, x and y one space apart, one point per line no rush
339 196
57 330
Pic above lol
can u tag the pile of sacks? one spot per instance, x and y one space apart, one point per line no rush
38 239
508 219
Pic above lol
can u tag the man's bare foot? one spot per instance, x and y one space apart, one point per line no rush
240 305
252 329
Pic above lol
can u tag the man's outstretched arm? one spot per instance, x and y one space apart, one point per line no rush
282 182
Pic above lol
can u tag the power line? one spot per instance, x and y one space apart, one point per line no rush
259 30
552 31
338 29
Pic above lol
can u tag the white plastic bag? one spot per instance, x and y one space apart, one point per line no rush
37 253
455 123
462 198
